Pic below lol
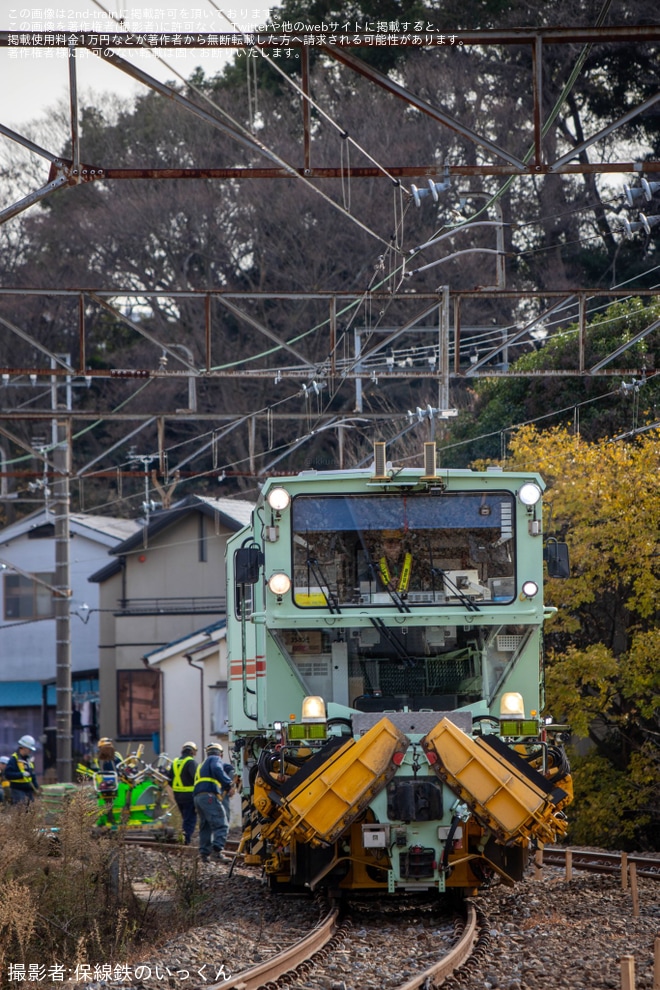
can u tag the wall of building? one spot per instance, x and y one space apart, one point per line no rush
168 568
29 648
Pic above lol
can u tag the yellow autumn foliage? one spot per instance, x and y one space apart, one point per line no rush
604 498
603 646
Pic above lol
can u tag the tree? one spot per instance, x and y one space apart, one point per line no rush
596 407
265 236
603 664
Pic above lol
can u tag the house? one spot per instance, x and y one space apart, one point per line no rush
194 692
194 687
27 632
163 601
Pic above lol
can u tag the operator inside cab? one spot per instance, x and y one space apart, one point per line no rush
395 564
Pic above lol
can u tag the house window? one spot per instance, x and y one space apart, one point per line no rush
27 599
219 714
138 703
201 543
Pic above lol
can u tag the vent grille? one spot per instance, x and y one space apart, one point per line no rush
313 668
508 644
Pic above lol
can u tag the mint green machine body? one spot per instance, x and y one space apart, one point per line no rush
384 636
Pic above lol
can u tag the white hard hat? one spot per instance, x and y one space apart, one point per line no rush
190 745
214 747
28 742
5 759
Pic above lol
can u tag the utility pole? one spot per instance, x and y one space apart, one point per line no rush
443 352
61 510
63 718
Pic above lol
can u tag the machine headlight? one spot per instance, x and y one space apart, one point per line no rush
529 493
313 708
278 499
529 589
512 705
279 583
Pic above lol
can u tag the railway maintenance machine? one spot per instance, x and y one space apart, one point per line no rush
384 631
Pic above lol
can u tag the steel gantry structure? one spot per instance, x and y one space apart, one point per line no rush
428 341
339 47
434 325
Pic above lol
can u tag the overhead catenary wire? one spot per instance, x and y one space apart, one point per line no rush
311 428
211 436
568 86
309 99
90 427
343 133
272 155
528 422
350 361
391 245
295 443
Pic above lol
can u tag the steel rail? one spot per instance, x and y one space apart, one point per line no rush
602 862
283 962
456 957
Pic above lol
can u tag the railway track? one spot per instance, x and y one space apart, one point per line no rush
243 928
586 860
343 952
596 861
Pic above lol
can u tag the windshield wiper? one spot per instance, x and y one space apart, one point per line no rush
394 595
457 592
331 599
390 636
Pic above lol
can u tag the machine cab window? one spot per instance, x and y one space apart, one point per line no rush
394 549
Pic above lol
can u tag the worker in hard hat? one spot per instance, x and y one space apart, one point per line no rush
20 771
107 759
395 563
211 782
182 779
4 783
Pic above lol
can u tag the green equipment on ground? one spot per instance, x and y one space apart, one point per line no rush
133 795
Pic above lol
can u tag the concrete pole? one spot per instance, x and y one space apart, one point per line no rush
63 716
443 348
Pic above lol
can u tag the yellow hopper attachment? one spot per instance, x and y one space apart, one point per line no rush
507 796
318 803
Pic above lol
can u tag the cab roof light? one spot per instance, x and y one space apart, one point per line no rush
529 493
278 499
512 705
313 709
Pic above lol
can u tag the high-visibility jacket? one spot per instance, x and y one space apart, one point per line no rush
211 776
402 580
183 774
21 774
